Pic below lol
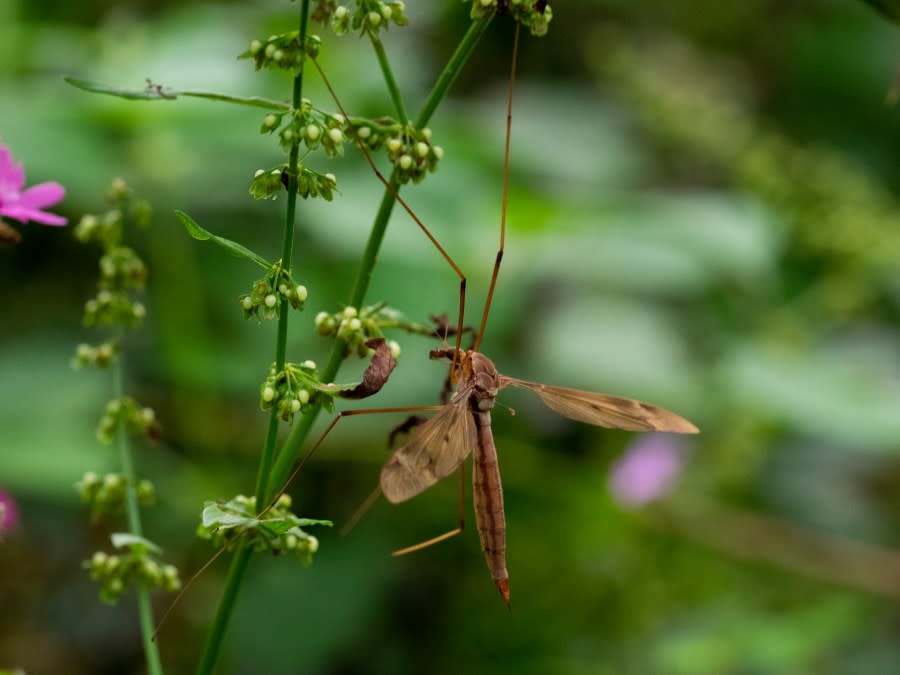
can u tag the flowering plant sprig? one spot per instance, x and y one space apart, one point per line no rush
135 566
121 270
122 274
106 494
276 529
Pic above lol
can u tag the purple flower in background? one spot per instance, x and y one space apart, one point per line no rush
646 471
26 204
9 513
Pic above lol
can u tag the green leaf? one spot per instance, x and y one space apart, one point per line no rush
232 247
149 93
223 517
157 92
128 540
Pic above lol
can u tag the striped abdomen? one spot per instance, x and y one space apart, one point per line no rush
488 496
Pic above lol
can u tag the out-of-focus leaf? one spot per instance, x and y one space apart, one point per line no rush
233 247
127 539
838 394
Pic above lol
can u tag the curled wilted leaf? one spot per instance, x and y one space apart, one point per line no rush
376 374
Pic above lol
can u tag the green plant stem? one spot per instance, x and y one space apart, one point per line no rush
389 78
223 615
132 509
290 451
242 558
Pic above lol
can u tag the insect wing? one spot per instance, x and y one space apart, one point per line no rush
434 450
602 410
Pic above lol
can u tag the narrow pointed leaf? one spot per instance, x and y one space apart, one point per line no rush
232 247
156 92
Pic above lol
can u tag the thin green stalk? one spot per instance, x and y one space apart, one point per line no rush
242 557
145 609
389 78
223 615
290 451
287 248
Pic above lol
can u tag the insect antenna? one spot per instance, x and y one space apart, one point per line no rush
396 195
505 195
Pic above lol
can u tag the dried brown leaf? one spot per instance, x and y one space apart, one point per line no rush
376 374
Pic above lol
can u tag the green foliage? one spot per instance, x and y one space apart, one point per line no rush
276 530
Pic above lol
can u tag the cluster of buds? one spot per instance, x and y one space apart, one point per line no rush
277 531
107 228
412 154
310 126
357 326
106 495
293 389
126 411
267 184
535 15
266 294
370 16
100 355
281 52
113 307
121 270
133 566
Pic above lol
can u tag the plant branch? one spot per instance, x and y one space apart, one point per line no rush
290 451
389 78
242 557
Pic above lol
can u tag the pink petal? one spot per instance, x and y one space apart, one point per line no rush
43 194
24 214
12 175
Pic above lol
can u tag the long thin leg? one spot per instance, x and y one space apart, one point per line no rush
331 426
361 511
504 198
396 195
447 535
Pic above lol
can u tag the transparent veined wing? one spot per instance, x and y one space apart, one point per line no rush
434 450
603 410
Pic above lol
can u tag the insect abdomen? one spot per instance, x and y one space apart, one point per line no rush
488 496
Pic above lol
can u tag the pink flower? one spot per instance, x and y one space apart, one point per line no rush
646 471
9 513
26 205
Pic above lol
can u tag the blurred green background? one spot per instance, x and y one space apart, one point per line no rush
703 214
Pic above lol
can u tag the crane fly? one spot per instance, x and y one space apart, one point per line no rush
462 427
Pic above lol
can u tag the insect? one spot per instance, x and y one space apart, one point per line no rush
462 427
